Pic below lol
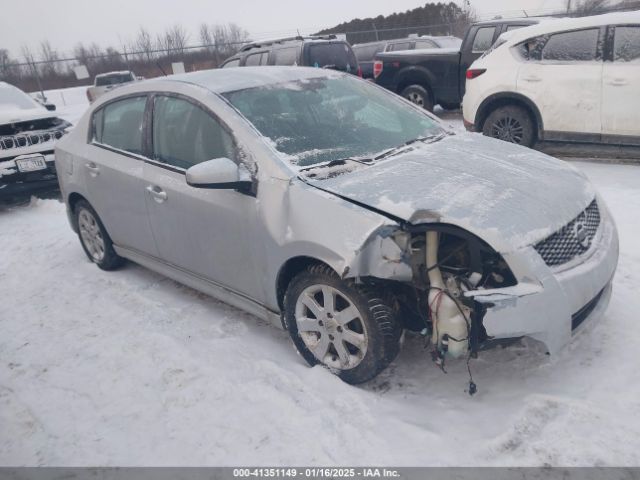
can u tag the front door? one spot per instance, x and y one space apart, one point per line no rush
210 233
621 86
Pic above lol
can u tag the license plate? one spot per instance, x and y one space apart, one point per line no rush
31 164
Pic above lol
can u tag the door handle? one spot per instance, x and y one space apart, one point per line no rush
157 193
94 170
618 82
531 78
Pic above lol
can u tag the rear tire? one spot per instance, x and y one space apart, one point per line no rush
418 95
94 238
512 124
350 328
450 106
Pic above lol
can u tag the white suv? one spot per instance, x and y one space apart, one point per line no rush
569 80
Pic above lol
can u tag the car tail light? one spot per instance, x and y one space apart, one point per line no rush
475 73
88 95
377 68
360 72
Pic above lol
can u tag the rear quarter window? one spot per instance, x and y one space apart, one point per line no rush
113 79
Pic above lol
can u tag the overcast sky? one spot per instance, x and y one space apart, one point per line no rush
112 22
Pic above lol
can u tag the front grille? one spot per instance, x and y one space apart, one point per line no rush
571 240
28 139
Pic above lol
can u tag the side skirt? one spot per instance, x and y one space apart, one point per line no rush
202 284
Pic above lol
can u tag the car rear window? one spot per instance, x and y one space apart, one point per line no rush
337 56
483 39
365 53
113 79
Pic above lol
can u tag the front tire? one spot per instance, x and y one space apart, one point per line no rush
418 95
512 124
94 238
350 328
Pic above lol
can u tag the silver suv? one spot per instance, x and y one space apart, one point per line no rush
339 211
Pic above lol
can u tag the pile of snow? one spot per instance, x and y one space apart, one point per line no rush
129 368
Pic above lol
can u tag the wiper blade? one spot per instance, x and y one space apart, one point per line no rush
424 139
340 161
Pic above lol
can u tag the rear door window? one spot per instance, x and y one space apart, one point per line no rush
626 44
577 46
185 134
337 56
483 39
119 124
286 56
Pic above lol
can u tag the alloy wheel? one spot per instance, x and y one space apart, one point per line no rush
331 327
509 129
91 235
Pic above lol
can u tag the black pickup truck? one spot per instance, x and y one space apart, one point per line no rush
437 76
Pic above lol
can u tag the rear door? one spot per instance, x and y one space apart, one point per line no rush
113 171
562 74
621 85
204 231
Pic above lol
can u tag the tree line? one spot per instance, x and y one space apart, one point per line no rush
148 55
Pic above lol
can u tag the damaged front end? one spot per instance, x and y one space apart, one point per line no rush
442 277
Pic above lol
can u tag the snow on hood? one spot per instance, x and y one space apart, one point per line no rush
510 196
13 115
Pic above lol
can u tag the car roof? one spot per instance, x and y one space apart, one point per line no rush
286 40
562 24
109 74
516 20
223 80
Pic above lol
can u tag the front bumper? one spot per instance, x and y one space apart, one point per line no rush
15 184
551 304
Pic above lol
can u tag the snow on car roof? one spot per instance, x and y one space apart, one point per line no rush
561 24
223 80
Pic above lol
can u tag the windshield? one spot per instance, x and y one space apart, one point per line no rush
12 97
326 119
114 79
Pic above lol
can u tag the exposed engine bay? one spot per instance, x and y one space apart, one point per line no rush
447 265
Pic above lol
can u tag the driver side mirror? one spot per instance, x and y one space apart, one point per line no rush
219 174
50 106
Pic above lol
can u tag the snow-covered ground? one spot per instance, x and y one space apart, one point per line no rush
129 368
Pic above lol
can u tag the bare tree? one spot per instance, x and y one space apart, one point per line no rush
589 7
47 54
144 44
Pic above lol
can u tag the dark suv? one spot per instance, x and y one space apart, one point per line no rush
325 51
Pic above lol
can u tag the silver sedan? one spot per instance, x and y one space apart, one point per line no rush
339 212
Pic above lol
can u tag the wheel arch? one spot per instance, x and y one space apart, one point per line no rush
415 76
497 100
292 267
72 201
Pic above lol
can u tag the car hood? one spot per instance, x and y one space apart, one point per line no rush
11 114
508 195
